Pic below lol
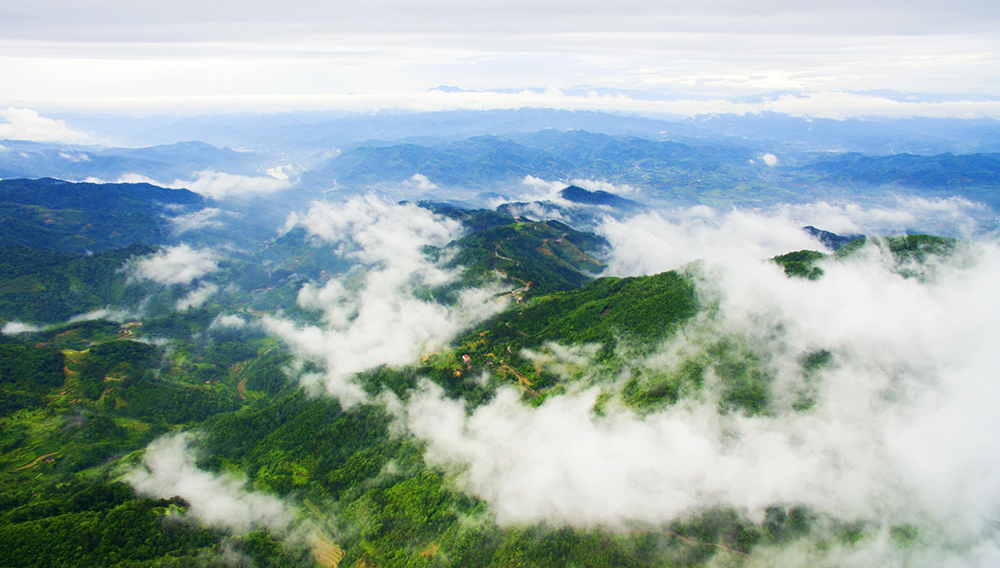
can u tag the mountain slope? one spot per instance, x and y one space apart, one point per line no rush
80 217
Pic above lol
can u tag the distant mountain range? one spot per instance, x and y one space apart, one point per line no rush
753 160
299 135
164 163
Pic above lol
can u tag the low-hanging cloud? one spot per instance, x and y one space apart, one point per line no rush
113 314
231 321
26 124
900 430
197 297
213 185
955 216
666 240
17 327
177 265
220 185
380 314
218 500
657 242
422 182
201 219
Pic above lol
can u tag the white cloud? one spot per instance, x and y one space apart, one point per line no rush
102 313
379 314
278 172
542 190
76 158
810 103
136 178
218 500
26 124
770 159
197 297
180 264
901 432
213 185
656 242
16 327
422 182
599 185
201 219
669 239
219 185
950 216
229 320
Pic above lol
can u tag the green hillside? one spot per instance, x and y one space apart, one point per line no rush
81 402
87 217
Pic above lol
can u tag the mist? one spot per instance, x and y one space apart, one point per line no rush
380 312
218 500
899 430
177 265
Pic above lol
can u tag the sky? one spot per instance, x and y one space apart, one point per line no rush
646 56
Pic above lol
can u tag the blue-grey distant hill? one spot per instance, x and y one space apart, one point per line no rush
304 134
942 170
680 171
599 198
165 163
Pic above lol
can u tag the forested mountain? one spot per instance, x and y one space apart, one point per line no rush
80 217
287 400
501 338
164 163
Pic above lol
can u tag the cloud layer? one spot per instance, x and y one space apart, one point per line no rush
380 313
218 500
26 124
652 57
901 430
219 185
665 240
177 265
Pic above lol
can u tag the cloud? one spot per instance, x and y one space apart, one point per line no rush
218 500
26 124
133 178
102 313
900 431
213 185
542 190
16 327
201 219
599 185
230 321
380 312
954 216
180 264
197 297
770 159
219 185
668 239
422 183
839 105
657 242
78 157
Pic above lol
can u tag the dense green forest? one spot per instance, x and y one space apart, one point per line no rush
81 400
81 217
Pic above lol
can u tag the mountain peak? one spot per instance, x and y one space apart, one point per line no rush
585 197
